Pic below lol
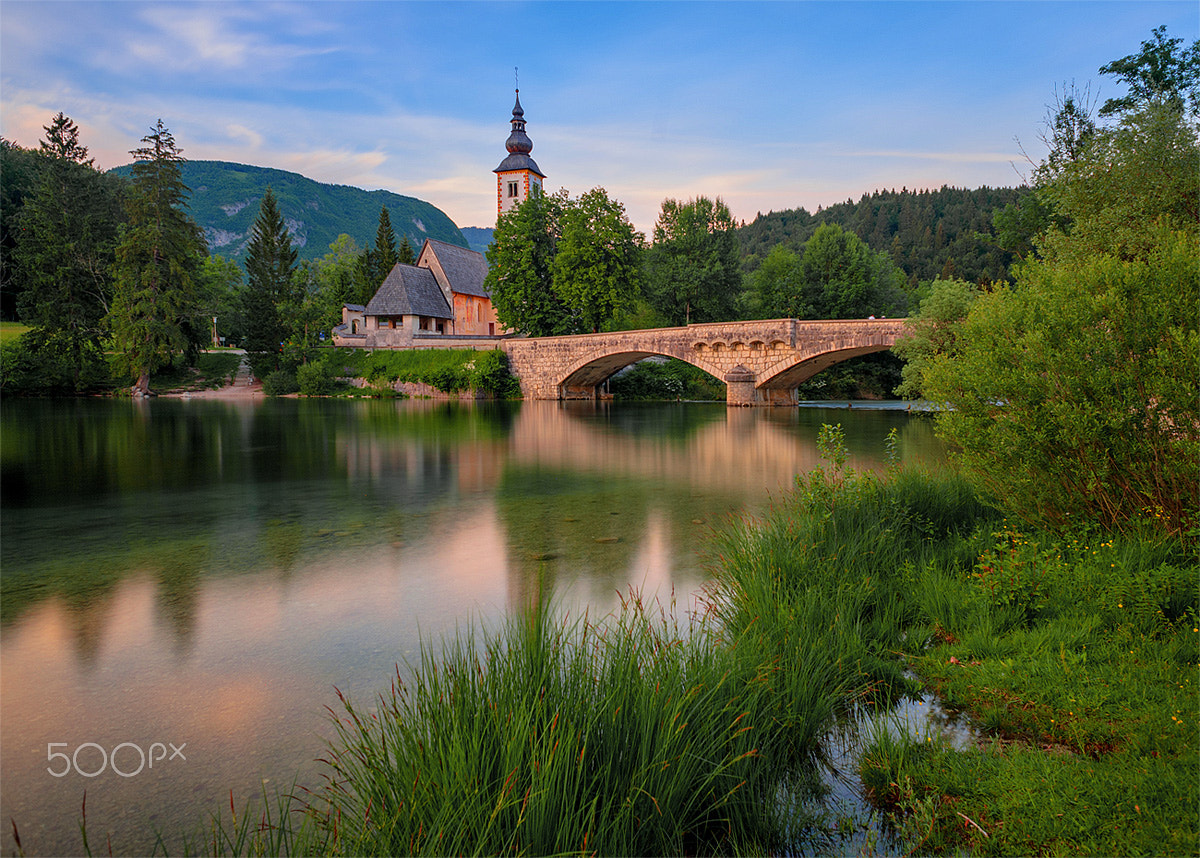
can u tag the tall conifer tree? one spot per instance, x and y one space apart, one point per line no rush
154 311
385 244
67 236
270 264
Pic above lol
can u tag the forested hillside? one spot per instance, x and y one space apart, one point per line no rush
926 233
225 196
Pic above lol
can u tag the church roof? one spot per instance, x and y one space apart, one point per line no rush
519 161
465 269
409 291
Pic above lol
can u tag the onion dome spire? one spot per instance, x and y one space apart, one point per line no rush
518 144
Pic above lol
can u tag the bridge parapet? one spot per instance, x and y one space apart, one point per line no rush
760 361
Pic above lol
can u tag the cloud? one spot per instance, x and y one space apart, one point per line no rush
253 139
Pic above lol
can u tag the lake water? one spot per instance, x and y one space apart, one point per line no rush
191 580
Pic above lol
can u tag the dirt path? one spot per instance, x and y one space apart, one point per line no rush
244 386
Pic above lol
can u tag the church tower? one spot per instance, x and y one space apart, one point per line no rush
518 174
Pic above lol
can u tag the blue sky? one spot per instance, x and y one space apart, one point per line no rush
767 105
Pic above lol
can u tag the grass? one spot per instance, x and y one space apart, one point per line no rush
447 370
1078 659
633 735
10 331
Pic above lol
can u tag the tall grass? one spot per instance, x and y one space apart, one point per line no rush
636 734
625 737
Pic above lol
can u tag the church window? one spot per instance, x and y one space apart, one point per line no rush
512 189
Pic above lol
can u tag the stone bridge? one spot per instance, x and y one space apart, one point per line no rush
761 362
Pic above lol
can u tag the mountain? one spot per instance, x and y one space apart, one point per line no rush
225 196
478 238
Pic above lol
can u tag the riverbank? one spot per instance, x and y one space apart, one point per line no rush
636 736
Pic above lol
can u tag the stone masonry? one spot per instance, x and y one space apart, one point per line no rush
761 362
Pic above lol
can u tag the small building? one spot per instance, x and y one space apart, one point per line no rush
443 295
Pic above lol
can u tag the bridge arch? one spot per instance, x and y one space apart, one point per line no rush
761 362
586 374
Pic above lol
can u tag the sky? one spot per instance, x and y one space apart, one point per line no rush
768 106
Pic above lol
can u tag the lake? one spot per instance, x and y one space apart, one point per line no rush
185 583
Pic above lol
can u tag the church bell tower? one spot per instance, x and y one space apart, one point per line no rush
518 174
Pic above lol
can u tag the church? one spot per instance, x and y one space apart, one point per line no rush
442 296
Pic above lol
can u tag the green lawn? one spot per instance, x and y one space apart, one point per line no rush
9 331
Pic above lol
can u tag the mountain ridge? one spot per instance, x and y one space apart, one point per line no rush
224 196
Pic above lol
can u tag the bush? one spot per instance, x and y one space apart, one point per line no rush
315 379
280 382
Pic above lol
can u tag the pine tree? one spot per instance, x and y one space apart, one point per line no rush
405 255
154 311
270 264
385 244
66 242
62 141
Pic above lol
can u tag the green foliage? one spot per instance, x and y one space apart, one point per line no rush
448 370
315 379
835 277
34 365
20 176
693 268
378 260
67 234
280 383
1144 172
154 314
1159 74
1072 393
270 265
597 267
873 376
220 284
62 141
562 266
625 737
774 288
226 196
520 268
934 330
666 380
1077 657
930 233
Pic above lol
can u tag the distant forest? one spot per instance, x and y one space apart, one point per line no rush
942 233
928 234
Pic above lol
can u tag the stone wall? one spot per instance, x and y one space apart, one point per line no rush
761 362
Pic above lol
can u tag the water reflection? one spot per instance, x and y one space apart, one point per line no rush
206 572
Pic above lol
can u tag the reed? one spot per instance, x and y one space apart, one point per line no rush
630 736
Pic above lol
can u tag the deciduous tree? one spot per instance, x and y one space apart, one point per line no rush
1071 395
154 314
1160 73
520 275
841 278
597 270
693 268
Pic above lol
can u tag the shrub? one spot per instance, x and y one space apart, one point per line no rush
280 382
315 379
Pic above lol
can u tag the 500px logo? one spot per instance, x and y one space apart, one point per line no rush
130 753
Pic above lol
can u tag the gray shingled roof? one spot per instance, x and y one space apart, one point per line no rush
519 161
409 291
465 269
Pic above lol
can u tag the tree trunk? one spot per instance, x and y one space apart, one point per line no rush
142 387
